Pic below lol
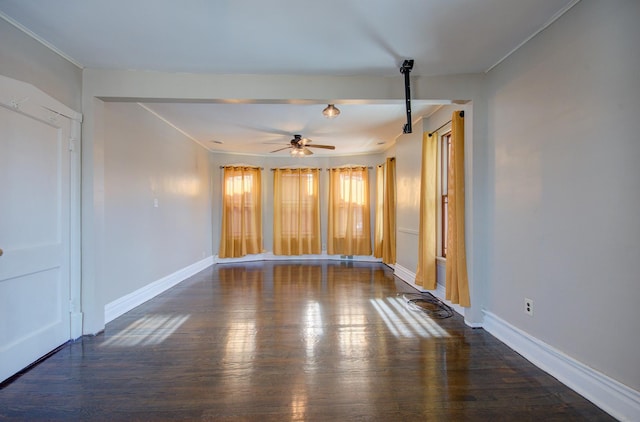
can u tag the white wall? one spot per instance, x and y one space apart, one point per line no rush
27 60
408 166
146 160
564 133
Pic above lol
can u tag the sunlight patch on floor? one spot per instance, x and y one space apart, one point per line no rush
147 331
404 322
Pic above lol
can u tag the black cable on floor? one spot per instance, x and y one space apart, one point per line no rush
429 304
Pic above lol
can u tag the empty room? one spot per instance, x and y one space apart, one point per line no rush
339 210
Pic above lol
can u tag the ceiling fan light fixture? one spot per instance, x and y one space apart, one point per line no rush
300 152
331 111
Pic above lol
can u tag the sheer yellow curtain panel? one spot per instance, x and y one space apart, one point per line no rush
457 283
389 226
296 212
349 231
426 272
378 229
241 231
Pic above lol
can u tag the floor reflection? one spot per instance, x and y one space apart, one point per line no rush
288 341
312 328
149 330
299 401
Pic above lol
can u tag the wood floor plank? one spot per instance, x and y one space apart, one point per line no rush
315 340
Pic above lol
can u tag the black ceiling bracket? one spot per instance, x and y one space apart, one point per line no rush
405 69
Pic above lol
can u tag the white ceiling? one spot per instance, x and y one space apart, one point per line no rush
328 37
262 128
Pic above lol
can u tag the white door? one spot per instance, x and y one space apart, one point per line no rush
34 234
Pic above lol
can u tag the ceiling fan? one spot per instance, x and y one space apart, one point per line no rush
300 146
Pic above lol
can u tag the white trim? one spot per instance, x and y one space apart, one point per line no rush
615 398
29 99
155 113
530 37
75 258
407 276
41 40
126 303
408 231
441 294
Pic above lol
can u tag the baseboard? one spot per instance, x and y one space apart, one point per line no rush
269 256
613 397
126 303
441 294
407 276
76 325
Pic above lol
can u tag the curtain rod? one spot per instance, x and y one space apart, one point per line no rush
253 167
310 168
303 168
434 131
382 165
295 168
349 167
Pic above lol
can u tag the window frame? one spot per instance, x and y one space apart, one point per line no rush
444 153
289 206
356 184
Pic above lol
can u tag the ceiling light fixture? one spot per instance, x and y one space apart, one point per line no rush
300 152
331 111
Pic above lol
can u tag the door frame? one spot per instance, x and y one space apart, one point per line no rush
29 100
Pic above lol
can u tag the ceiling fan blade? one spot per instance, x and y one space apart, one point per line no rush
281 149
321 146
266 129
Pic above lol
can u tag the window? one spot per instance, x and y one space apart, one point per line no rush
296 216
445 153
349 227
350 205
241 231
238 194
298 199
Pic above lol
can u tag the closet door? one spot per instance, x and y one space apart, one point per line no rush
34 233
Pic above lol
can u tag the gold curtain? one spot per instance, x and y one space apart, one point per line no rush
296 212
349 231
389 226
457 284
385 221
426 272
241 231
378 228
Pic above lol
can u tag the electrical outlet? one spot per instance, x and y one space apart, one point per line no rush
528 306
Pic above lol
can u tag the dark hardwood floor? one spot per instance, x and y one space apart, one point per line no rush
289 341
